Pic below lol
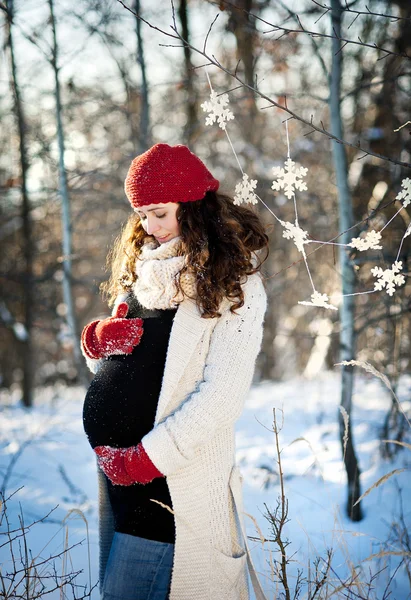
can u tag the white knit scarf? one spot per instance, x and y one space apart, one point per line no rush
156 269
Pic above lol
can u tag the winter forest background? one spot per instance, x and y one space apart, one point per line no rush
85 87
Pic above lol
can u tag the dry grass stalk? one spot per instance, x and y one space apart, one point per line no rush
382 480
367 367
170 510
256 525
346 420
370 369
403 444
79 513
64 561
388 553
316 460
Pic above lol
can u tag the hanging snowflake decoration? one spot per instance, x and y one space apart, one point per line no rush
295 233
405 194
217 110
321 300
244 191
289 178
388 278
370 242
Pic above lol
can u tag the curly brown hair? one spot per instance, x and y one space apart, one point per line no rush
219 240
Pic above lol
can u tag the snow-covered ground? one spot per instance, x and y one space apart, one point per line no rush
53 469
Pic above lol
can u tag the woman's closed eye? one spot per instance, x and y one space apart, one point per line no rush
143 217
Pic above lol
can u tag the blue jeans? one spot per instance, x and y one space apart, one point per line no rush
137 569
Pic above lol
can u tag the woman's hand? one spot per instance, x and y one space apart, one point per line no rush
111 462
125 466
114 335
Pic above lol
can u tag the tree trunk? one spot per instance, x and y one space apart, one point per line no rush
266 361
144 137
241 25
347 340
244 31
191 126
386 108
65 216
27 242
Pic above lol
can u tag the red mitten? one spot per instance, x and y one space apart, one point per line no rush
125 466
114 335
139 465
111 462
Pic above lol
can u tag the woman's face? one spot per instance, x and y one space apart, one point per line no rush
160 220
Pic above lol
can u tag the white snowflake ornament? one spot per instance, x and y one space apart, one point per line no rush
370 242
405 194
289 178
244 191
388 278
321 300
295 233
217 110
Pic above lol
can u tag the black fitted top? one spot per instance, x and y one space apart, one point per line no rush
119 409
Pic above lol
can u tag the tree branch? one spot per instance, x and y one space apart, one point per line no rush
212 61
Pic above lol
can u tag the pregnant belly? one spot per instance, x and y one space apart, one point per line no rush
121 402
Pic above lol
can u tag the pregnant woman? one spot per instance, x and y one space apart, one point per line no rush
173 365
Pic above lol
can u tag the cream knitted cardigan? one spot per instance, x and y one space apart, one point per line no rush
208 372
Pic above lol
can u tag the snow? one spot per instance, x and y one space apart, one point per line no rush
54 470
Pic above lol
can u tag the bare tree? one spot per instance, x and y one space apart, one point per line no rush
65 211
144 133
27 243
242 25
346 221
191 126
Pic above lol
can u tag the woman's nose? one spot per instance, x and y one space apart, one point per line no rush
152 226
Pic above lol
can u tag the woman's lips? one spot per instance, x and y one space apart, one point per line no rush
161 239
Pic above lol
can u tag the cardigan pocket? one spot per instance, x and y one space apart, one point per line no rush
228 579
236 506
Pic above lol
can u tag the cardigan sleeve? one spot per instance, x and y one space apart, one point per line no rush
106 525
93 364
218 399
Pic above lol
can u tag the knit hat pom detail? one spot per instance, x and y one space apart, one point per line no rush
168 174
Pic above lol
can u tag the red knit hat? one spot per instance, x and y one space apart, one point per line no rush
168 174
